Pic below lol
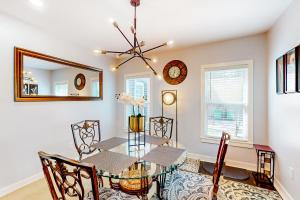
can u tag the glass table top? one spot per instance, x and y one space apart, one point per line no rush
129 161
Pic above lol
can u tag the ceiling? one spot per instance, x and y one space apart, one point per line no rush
187 22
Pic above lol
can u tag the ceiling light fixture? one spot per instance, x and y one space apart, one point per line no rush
37 3
135 50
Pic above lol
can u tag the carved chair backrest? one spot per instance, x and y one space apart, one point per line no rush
85 134
161 126
220 162
69 179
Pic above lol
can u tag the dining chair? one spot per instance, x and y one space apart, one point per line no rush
192 183
161 126
219 165
69 179
85 134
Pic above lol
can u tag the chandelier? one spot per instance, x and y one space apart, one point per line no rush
135 50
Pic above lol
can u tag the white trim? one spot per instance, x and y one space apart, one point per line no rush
238 64
282 191
15 186
232 163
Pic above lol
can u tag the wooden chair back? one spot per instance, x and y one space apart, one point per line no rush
161 126
67 178
85 134
219 163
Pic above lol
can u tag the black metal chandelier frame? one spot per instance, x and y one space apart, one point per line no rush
135 50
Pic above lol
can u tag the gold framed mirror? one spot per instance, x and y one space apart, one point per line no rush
40 77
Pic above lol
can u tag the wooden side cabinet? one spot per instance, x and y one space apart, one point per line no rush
264 175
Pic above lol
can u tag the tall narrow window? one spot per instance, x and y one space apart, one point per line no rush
95 88
61 89
227 101
138 86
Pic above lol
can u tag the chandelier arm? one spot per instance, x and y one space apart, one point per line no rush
119 52
126 61
162 45
124 36
155 73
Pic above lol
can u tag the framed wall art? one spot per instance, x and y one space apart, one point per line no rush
290 72
280 77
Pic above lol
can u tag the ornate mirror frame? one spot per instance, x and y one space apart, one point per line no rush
19 54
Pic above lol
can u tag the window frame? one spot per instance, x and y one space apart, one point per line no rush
64 82
132 76
204 137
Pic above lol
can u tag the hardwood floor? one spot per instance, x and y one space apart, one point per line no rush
35 191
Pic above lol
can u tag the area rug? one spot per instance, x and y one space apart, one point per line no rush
188 184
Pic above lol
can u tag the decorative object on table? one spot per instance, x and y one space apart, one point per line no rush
175 72
265 166
280 77
161 126
136 122
169 98
79 81
135 50
136 186
69 179
290 72
85 134
28 64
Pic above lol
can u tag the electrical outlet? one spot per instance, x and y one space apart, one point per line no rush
292 173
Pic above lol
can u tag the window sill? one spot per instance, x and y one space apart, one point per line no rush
233 142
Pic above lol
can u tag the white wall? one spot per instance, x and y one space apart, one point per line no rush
27 128
248 48
44 79
284 110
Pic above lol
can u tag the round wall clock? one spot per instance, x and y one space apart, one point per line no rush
79 81
175 72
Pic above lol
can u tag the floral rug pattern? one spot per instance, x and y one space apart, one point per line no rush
187 184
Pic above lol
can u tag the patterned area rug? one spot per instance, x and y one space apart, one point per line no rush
184 185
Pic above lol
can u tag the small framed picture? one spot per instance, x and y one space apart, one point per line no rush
33 89
290 72
298 68
25 89
280 63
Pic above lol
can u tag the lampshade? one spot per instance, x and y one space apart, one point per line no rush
169 98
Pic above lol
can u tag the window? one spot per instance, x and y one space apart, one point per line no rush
138 86
61 89
95 88
227 102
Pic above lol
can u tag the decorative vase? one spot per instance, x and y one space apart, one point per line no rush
136 123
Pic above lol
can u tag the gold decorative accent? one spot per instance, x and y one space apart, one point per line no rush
136 123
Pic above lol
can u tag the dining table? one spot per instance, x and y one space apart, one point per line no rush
133 168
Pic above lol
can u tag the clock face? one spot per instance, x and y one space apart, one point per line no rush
175 72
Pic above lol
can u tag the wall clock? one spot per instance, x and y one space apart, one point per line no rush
79 81
175 72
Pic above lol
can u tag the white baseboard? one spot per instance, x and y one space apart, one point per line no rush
232 163
15 186
282 191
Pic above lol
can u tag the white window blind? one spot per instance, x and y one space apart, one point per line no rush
61 89
226 102
95 88
138 87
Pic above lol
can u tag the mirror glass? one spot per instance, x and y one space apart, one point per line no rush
44 78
